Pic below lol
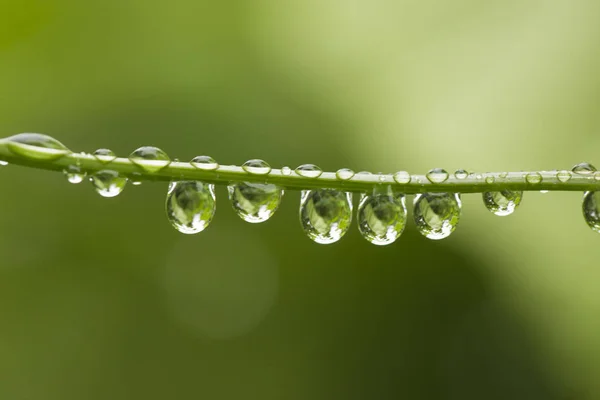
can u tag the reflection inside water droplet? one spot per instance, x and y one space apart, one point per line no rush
382 217
108 183
204 162
344 174
591 210
74 174
436 214
255 202
309 171
150 159
437 175
104 155
402 177
37 146
502 203
190 206
325 214
256 167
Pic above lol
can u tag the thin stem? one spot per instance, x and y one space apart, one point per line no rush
362 182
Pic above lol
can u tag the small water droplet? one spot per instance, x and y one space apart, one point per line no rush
287 171
503 175
478 176
309 171
490 179
108 183
74 174
190 205
382 217
591 210
584 168
204 162
544 191
437 175
381 177
344 174
325 214
151 159
437 214
256 167
105 155
461 174
533 177
402 177
502 203
37 146
3 163
255 202
563 176
136 179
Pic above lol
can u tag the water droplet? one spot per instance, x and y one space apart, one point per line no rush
256 167
105 155
344 174
3 163
437 214
204 162
502 203
255 202
37 146
503 175
544 191
287 171
597 175
490 179
151 159
402 177
325 214
563 176
591 210
108 183
533 177
74 174
136 179
190 205
478 176
584 168
437 175
381 177
461 174
309 171
382 217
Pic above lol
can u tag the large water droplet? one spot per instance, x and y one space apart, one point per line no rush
108 183
533 177
502 203
382 217
309 171
344 174
402 177
105 155
325 214
461 174
190 205
204 162
563 176
584 168
437 175
591 210
256 167
151 159
255 202
37 146
74 174
437 214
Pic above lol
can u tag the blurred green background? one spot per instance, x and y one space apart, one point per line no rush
102 299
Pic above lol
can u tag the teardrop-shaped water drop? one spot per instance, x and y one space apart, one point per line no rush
256 167
402 177
591 210
74 174
502 203
151 159
533 177
437 214
382 217
287 171
190 205
104 155
563 176
325 214
255 202
108 183
584 168
344 174
309 171
136 179
37 146
461 174
204 162
437 175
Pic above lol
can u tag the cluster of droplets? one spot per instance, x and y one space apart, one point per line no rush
325 214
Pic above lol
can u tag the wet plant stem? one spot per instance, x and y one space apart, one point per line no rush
226 174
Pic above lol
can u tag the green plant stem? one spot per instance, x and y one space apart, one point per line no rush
359 183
